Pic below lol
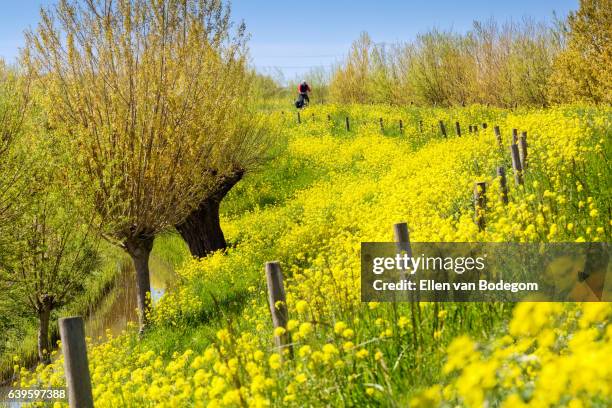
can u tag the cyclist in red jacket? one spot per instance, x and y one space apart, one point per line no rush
303 89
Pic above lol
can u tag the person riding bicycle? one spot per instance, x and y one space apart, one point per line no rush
303 89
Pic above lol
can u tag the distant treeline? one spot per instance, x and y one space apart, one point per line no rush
502 64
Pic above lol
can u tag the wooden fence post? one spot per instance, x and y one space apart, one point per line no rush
278 303
382 127
313 117
421 126
401 126
402 237
514 136
475 128
402 242
76 366
348 126
458 129
480 203
484 125
503 184
443 129
523 150
498 136
516 164
328 117
299 118
470 127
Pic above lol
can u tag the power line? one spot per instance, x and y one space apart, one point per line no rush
295 66
302 56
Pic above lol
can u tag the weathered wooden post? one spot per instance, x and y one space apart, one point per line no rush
402 242
498 136
523 150
480 203
402 237
470 128
484 125
348 126
382 127
458 129
76 365
421 126
313 117
503 184
299 118
401 126
514 135
516 164
475 128
328 117
278 303
442 129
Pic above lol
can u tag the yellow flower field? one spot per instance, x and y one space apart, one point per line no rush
212 339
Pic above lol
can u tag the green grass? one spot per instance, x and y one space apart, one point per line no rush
270 185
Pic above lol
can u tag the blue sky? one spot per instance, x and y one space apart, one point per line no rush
297 35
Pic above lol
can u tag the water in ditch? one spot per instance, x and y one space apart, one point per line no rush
118 307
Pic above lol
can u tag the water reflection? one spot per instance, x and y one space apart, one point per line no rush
119 306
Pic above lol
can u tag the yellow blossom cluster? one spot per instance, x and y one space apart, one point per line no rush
553 355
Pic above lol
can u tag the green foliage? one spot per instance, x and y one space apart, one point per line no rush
583 71
51 254
350 83
491 64
264 87
14 100
50 250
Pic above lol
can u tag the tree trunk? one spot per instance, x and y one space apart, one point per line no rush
202 228
139 248
43 334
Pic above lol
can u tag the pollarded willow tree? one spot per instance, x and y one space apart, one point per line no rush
128 83
244 141
52 252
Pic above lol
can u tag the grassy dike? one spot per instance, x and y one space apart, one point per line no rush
323 192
